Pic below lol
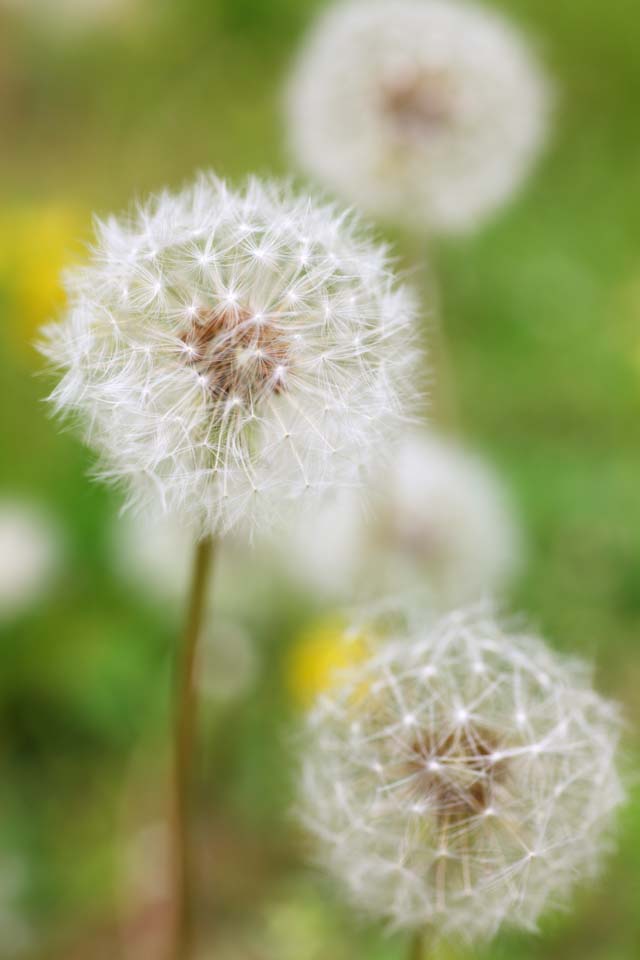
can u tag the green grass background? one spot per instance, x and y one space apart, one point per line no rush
541 312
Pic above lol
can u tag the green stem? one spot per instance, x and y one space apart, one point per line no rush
184 726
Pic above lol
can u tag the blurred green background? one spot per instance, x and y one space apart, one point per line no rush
541 312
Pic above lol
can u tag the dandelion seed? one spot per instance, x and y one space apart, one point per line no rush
217 410
461 828
427 111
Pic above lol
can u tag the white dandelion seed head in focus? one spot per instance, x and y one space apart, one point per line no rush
437 517
233 354
460 777
425 111
30 550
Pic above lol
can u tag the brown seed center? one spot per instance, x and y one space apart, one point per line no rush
419 104
456 775
240 354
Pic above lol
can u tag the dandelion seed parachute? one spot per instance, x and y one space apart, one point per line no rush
460 777
424 111
233 354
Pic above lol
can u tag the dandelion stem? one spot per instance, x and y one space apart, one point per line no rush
184 726
416 947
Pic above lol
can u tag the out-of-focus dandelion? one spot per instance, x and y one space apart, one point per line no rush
319 656
230 353
151 552
228 663
437 518
460 777
35 243
30 552
425 111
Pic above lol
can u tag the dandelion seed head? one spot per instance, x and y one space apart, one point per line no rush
427 111
461 827
204 390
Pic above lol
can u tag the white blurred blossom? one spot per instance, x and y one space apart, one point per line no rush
232 355
461 777
153 553
436 518
424 111
30 552
228 663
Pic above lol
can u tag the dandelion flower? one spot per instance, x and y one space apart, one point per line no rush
30 550
426 111
437 517
33 244
232 354
460 777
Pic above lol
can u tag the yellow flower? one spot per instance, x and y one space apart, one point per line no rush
322 651
35 244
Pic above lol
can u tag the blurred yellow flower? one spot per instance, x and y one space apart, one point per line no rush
321 652
35 244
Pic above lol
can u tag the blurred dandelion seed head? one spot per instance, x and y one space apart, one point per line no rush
460 777
427 111
30 551
437 517
232 354
228 663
